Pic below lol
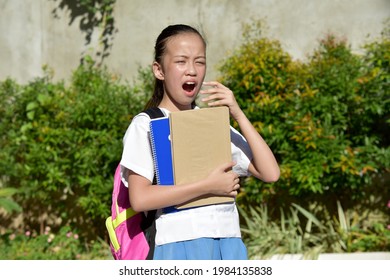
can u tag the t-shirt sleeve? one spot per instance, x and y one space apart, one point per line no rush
241 153
137 153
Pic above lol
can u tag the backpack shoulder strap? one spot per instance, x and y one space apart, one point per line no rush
154 112
148 223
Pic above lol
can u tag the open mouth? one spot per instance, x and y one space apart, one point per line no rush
189 86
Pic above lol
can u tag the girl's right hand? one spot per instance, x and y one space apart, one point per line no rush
220 95
223 181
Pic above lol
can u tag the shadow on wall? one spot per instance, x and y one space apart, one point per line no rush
92 14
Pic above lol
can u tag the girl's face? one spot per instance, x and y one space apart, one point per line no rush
182 70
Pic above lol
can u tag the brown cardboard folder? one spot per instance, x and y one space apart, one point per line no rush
200 142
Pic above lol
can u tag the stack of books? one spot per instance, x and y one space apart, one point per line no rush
188 145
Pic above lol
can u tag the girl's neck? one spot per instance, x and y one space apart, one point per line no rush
173 106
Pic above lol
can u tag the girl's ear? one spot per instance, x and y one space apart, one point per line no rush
158 71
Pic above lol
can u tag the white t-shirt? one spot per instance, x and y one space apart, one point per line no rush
216 221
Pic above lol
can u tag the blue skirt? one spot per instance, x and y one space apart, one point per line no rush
203 249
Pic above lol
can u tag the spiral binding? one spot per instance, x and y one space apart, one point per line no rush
156 169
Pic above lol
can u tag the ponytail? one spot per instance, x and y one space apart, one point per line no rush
157 96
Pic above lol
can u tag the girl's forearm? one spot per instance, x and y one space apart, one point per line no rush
264 165
145 196
157 196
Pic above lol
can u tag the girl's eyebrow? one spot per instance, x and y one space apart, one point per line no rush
185 56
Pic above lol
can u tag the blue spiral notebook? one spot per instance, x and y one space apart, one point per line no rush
161 148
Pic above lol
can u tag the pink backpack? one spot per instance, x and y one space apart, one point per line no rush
127 239
131 233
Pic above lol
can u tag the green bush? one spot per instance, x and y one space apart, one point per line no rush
63 245
61 144
300 231
325 119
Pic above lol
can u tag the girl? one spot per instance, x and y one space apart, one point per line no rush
208 232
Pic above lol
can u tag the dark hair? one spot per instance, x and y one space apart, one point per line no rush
159 50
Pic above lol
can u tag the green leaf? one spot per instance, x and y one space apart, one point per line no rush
31 106
43 99
309 216
6 192
9 205
30 115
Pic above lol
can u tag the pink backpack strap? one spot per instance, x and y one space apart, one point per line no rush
120 196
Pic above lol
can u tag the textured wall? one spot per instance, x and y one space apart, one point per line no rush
38 32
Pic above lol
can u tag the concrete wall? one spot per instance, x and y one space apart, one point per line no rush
38 32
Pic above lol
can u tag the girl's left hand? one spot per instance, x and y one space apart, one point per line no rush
219 95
